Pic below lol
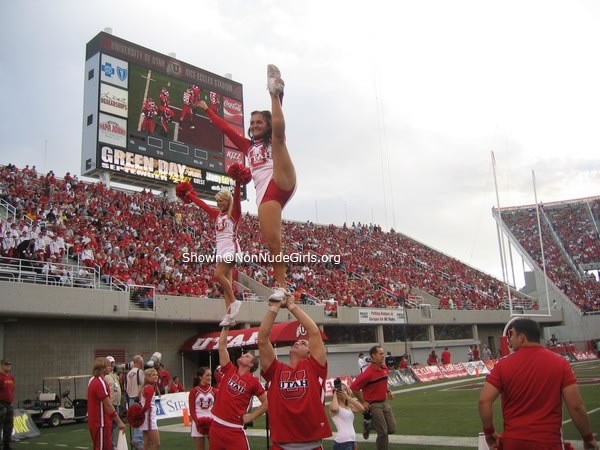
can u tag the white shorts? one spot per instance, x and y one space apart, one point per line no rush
149 425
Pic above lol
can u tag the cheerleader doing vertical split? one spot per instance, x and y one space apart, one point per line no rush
226 217
272 169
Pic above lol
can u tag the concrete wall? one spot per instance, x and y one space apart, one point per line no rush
51 331
41 347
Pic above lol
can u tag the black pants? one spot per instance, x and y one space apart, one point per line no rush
7 415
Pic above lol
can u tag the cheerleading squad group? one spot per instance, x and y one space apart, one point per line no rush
294 396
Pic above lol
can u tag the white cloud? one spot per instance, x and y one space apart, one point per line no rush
401 96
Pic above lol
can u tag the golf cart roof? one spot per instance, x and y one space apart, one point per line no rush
66 377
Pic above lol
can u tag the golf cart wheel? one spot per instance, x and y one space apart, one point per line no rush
55 420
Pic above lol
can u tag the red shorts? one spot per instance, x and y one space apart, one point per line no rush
227 438
273 192
519 444
274 446
102 438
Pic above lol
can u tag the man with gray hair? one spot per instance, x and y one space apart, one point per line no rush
134 384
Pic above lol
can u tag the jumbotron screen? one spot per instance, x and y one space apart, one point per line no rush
142 124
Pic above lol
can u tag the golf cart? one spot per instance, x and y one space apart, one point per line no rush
54 403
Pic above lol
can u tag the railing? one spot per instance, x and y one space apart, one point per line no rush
118 285
10 210
49 273
141 297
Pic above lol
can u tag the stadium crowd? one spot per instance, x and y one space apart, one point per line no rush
570 238
140 238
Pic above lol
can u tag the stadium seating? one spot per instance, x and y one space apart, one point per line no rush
570 239
140 238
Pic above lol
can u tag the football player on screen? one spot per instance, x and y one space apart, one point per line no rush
149 111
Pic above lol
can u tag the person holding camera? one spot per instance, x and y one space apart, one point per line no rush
134 385
371 389
342 409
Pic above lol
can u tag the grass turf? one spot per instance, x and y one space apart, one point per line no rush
439 410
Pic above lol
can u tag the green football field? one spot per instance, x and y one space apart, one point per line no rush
433 416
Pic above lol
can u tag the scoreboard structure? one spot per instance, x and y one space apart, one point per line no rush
142 125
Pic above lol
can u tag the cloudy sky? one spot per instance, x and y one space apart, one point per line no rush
393 107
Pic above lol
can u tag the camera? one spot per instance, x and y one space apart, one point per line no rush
153 361
124 367
337 384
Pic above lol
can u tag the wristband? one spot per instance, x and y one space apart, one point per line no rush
274 309
489 431
588 437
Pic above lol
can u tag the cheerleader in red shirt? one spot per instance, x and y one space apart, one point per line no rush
149 426
226 216
272 168
201 400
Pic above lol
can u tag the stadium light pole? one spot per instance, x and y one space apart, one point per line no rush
537 209
502 250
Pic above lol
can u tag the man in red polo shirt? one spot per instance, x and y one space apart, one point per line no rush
101 412
7 396
533 382
371 389
446 356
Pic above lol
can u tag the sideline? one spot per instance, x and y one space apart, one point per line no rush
450 441
425 441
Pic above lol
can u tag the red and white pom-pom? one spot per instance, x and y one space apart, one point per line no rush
240 173
203 425
185 191
135 416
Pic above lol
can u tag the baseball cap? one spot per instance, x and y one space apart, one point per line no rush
110 359
6 361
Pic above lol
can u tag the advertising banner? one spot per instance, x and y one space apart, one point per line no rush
228 142
23 426
584 356
171 405
453 370
112 130
114 71
476 368
113 100
401 377
233 111
382 316
233 157
149 167
427 373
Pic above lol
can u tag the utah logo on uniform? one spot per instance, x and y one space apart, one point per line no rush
236 386
293 387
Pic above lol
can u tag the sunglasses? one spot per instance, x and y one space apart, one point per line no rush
510 333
